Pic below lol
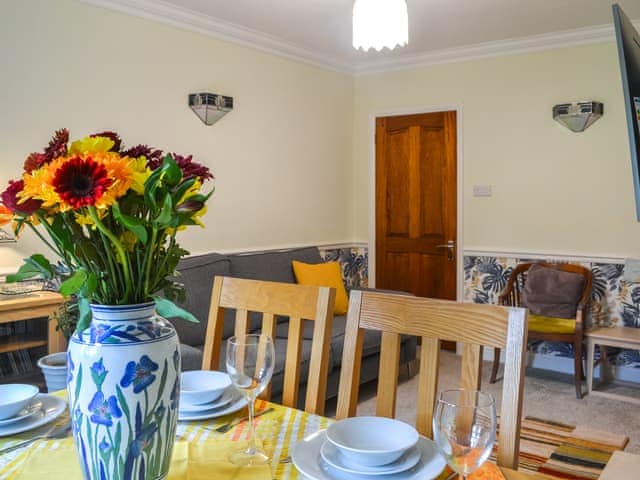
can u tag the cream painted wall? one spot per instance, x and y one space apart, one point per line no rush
282 157
554 191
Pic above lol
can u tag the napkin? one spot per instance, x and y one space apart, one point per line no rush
190 461
488 471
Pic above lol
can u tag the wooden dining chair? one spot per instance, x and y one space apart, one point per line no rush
550 328
273 299
473 325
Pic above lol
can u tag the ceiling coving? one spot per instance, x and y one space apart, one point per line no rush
320 32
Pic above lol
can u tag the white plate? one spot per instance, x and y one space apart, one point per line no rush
331 454
52 408
307 459
236 404
229 394
31 409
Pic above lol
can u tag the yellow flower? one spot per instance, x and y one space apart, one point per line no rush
91 145
140 174
84 219
128 240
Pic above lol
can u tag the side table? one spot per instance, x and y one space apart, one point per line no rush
26 307
621 337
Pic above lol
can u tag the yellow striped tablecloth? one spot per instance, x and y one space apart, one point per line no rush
279 430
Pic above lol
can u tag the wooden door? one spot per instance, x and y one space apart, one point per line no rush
416 204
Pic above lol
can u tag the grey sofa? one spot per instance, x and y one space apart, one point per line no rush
197 273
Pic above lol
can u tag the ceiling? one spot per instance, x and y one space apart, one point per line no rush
319 31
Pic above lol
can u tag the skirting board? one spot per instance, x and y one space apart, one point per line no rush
565 365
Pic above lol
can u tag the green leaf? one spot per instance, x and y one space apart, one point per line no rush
74 283
166 214
132 224
182 189
150 187
91 285
24 272
59 227
172 173
84 317
166 308
35 265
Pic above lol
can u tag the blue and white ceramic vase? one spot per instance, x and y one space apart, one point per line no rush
124 386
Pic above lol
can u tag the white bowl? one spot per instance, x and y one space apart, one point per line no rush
14 397
372 441
203 386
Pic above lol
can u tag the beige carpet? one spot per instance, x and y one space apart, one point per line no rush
548 395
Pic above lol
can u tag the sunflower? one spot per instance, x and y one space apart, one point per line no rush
96 179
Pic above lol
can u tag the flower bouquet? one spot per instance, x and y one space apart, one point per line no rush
111 215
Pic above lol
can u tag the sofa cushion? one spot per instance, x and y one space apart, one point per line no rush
197 272
552 293
327 274
272 266
191 357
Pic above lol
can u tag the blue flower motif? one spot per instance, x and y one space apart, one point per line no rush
150 328
104 445
140 374
143 439
70 368
98 373
175 395
99 332
77 420
104 410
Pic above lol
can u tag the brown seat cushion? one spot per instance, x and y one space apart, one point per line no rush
552 293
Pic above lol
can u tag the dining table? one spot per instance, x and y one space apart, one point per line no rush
280 429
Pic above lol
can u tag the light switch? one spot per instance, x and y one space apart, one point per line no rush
482 190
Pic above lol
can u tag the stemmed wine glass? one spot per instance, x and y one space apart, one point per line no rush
250 362
464 428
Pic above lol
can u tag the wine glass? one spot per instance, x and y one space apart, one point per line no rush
464 428
250 362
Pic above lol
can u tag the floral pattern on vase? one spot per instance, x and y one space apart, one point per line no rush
124 382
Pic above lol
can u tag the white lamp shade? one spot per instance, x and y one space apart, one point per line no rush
380 23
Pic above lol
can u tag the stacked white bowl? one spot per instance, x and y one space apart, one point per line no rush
371 442
14 397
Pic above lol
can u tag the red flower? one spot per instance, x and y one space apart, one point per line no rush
117 141
11 201
144 151
81 182
189 168
34 161
57 148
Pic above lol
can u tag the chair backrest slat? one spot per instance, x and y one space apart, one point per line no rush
428 385
273 299
473 325
388 375
471 372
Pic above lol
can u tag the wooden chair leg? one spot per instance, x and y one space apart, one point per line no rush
577 357
496 365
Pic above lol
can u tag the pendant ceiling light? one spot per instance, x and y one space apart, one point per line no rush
380 23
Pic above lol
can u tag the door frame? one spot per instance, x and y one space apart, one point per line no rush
459 187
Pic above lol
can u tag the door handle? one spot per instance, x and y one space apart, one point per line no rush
451 246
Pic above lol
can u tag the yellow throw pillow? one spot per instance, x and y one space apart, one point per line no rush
326 274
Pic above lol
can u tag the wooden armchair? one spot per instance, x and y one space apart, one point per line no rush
550 328
473 325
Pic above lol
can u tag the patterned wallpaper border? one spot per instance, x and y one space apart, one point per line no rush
614 301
